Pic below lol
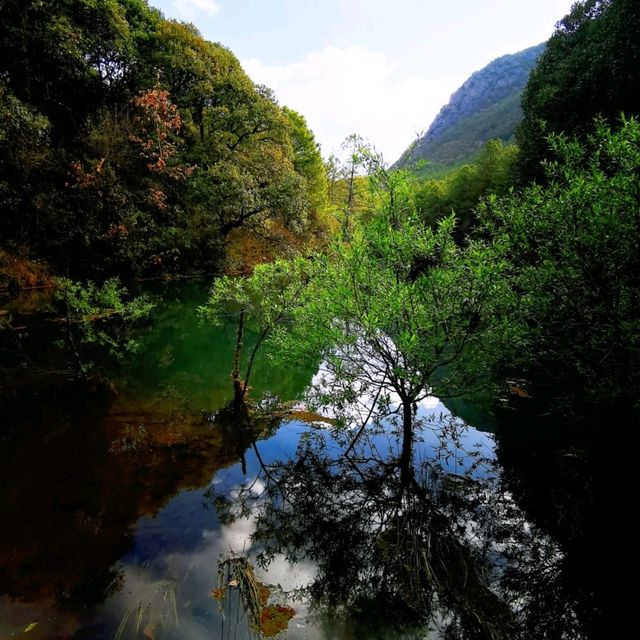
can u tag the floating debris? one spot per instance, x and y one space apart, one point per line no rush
265 619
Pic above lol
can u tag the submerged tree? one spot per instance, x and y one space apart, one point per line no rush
397 314
265 299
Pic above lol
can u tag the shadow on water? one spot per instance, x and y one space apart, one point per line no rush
535 544
83 465
577 484
73 490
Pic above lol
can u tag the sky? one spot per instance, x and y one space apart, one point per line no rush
382 69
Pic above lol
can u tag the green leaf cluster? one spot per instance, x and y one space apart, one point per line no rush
590 68
267 296
574 253
461 190
99 316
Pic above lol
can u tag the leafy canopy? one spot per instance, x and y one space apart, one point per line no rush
573 248
590 68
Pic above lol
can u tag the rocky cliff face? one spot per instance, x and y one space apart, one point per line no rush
486 106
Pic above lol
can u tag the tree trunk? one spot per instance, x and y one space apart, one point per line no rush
407 444
238 391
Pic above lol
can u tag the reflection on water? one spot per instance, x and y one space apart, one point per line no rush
118 507
191 361
86 475
392 551
578 487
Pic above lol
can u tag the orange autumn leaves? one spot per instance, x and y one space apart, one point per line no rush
158 120
274 619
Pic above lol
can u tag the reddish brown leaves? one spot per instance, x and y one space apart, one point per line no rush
158 122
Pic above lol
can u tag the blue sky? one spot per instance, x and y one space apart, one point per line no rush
380 69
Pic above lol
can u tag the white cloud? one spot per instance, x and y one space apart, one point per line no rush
355 90
193 9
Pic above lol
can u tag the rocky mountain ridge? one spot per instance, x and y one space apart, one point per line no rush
486 106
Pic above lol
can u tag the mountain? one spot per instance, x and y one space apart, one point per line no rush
486 106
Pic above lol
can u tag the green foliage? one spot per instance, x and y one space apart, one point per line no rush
267 296
307 161
400 309
573 248
99 316
66 58
461 191
134 146
24 136
591 67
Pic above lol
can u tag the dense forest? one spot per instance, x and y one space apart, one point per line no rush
507 285
132 148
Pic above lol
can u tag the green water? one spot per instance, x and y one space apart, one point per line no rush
84 468
182 356
110 525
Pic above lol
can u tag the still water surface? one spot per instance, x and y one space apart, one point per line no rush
117 506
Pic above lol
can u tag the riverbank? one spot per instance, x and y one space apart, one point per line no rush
19 272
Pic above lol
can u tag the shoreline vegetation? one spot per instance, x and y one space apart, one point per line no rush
170 170
206 153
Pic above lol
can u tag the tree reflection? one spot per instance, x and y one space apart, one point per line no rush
78 470
398 543
571 488
448 542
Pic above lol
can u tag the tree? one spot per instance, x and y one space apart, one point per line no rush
590 68
573 247
397 314
347 184
307 161
265 299
128 181
246 180
197 73
461 191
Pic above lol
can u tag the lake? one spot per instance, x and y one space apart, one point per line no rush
151 508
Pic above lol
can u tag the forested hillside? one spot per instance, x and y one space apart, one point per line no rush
131 145
485 107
